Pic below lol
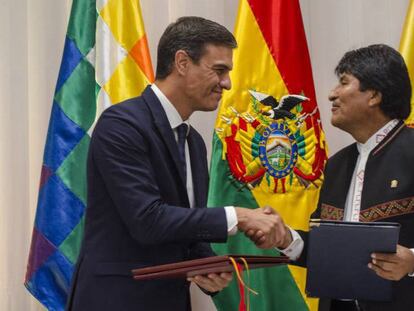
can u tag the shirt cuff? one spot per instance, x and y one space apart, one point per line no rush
295 248
232 222
412 273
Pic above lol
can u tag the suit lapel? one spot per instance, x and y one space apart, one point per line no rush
163 125
389 138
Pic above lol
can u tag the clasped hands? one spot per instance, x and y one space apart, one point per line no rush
264 227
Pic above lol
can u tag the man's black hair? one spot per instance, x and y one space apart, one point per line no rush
190 34
381 68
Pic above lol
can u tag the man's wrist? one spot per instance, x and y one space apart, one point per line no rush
295 248
241 216
288 238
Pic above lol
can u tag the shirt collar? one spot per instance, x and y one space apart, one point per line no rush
375 139
172 114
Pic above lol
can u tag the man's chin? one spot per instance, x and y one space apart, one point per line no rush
335 122
340 124
213 104
209 107
212 107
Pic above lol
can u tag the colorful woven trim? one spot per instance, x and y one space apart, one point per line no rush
329 212
387 210
374 213
388 139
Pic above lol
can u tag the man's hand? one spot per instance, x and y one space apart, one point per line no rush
264 227
393 266
212 282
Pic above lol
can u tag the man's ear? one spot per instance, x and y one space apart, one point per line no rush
181 61
376 99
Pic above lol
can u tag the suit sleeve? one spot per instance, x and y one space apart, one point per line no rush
301 261
121 155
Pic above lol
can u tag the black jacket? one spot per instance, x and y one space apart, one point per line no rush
392 159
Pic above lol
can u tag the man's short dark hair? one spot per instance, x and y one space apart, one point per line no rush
190 34
381 68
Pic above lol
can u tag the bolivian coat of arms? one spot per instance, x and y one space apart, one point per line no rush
273 145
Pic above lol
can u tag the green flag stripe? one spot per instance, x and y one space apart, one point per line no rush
82 25
73 170
71 246
77 96
223 188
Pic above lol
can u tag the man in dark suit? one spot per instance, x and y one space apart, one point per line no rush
148 179
372 179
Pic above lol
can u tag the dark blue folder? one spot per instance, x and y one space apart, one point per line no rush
338 257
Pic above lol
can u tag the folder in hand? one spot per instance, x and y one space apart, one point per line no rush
202 266
338 257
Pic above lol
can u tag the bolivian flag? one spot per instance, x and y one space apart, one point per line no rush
268 147
407 51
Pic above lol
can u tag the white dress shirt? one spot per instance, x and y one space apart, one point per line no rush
353 199
175 120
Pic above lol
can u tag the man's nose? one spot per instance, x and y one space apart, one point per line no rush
225 82
333 94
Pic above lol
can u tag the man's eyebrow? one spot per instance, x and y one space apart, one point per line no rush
222 66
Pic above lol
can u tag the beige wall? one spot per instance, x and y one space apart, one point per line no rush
32 36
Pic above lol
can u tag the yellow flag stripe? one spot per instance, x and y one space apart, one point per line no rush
407 51
127 81
119 13
250 71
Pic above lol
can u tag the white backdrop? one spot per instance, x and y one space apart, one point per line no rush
32 37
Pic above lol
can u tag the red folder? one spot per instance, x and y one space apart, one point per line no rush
214 264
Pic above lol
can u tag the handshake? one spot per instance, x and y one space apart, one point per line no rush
264 227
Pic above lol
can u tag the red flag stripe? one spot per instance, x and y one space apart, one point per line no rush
284 34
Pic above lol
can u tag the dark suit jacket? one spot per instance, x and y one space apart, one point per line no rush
392 159
138 211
